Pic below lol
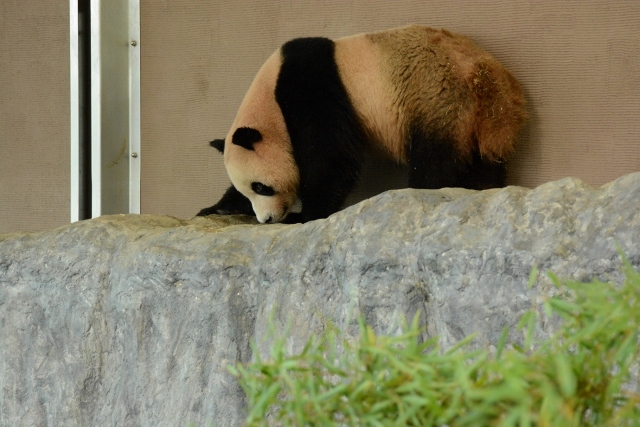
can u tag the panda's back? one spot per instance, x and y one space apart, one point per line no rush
361 64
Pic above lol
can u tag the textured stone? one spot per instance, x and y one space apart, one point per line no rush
131 320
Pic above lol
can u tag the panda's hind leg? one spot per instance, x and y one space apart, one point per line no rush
483 174
434 163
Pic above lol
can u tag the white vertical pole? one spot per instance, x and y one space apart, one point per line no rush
134 106
96 110
115 107
74 90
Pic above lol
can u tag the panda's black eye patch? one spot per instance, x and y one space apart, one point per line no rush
246 137
261 189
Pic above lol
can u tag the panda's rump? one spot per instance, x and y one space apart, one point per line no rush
496 113
446 86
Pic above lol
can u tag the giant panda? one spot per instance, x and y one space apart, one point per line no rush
426 98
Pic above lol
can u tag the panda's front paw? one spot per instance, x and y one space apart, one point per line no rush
294 218
232 203
211 211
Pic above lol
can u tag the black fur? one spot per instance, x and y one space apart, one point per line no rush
218 144
483 174
327 138
261 189
231 203
246 137
434 163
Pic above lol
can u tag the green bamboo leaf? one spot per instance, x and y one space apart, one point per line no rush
502 342
566 377
264 401
382 405
563 307
533 276
416 400
548 310
554 279
627 350
333 392
461 344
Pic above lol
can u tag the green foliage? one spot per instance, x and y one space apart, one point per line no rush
578 377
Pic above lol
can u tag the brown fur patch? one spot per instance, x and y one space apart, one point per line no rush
444 83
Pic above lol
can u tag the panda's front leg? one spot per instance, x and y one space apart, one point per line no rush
232 203
323 194
327 176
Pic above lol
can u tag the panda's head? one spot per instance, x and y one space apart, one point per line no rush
257 150
263 170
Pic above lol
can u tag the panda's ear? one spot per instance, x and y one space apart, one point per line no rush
246 137
218 144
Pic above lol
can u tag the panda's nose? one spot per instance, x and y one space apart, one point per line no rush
268 219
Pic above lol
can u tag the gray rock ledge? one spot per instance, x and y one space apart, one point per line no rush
130 320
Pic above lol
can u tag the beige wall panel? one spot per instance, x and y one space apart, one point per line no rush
579 63
34 114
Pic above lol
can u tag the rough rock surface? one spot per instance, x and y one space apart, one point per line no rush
130 320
